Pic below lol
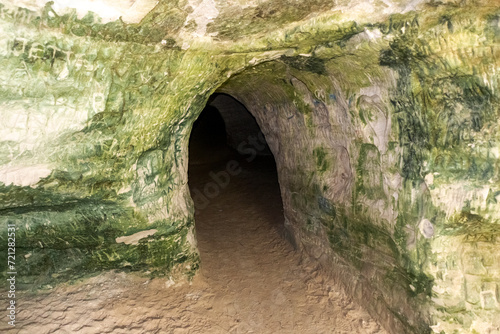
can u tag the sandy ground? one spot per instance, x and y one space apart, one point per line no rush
251 279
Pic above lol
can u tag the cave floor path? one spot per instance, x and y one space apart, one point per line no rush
251 280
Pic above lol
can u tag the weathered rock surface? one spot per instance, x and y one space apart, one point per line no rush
382 116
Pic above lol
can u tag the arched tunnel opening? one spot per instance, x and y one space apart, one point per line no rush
233 182
259 280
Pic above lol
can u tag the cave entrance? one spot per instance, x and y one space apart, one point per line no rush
233 180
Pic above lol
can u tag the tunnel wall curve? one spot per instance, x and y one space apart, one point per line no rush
377 159
338 183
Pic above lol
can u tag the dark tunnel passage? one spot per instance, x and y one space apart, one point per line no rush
226 126
251 276
232 177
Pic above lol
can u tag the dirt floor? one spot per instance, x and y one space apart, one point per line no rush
251 279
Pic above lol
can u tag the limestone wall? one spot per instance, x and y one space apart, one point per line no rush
77 173
388 165
383 119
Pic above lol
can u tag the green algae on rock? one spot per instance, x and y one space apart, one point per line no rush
382 116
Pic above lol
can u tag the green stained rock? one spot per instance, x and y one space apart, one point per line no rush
383 121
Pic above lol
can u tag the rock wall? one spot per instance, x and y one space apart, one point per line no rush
382 117
337 155
387 157
90 152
